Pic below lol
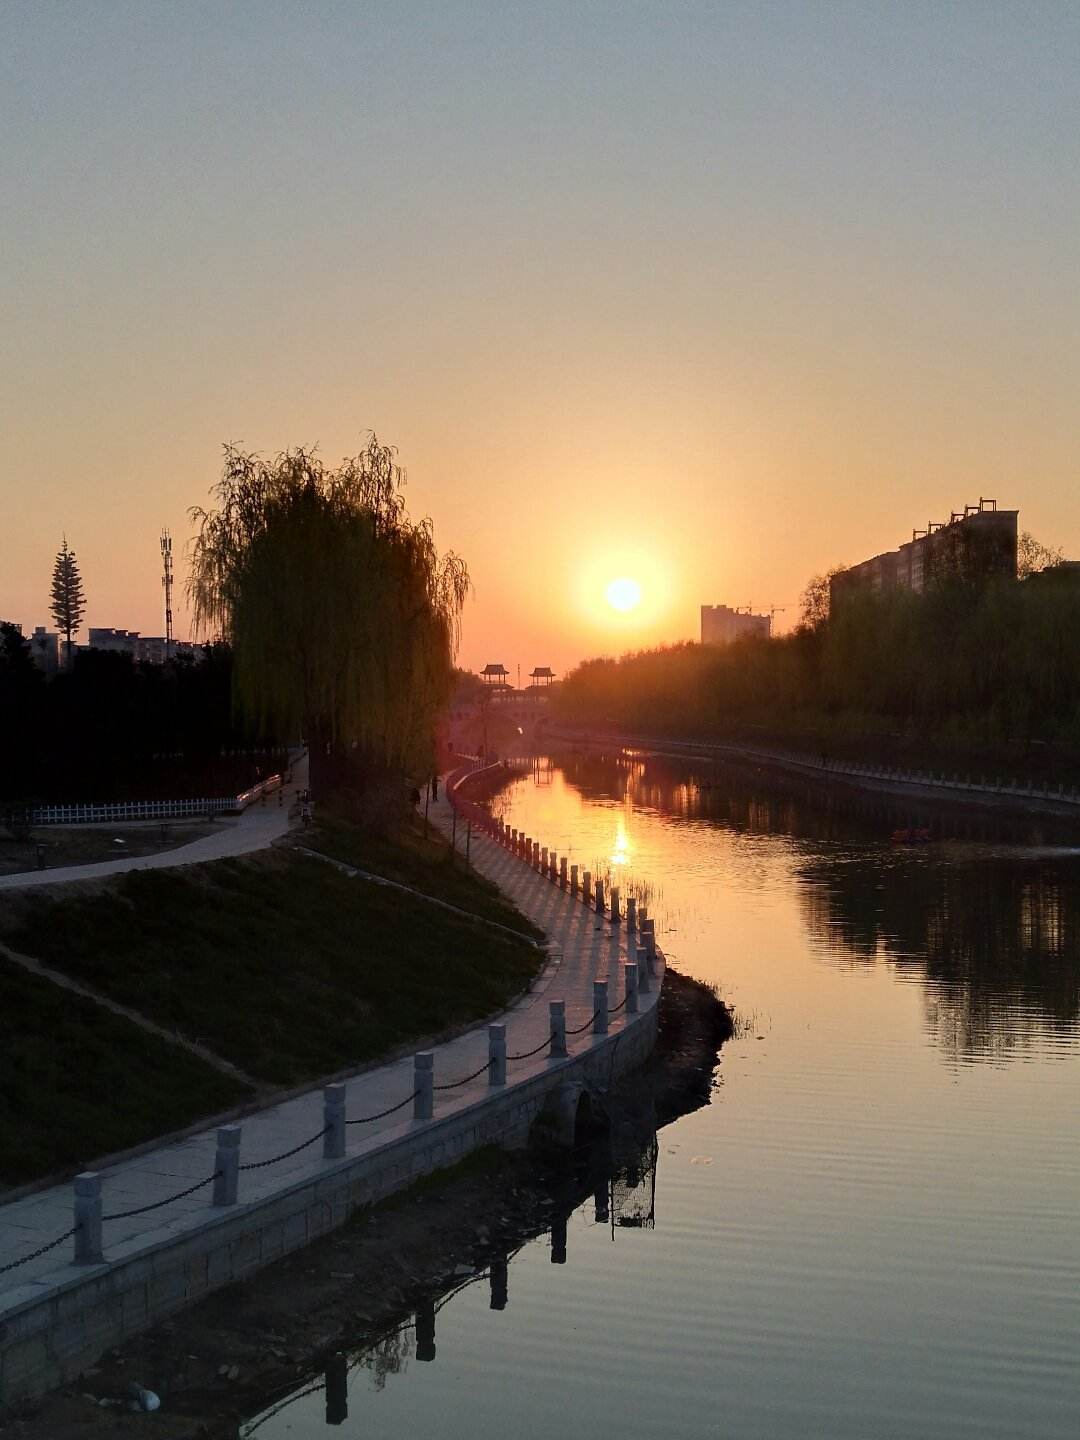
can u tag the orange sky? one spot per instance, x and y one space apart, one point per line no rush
715 297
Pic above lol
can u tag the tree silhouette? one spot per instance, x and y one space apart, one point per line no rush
341 613
68 601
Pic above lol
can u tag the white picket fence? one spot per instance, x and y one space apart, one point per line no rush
154 809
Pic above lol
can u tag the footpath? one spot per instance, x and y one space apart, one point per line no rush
257 827
160 1200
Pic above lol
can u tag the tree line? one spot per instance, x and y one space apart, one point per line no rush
110 728
964 670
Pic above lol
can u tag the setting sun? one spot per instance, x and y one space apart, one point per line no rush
623 594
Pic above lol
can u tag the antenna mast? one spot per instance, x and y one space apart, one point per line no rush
166 585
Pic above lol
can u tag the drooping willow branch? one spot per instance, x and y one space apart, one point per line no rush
343 617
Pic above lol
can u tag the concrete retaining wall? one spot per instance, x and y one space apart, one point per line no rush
49 1334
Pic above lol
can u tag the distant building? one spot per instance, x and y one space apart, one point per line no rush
494 678
720 625
123 642
47 649
976 544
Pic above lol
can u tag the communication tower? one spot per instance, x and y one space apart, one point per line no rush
166 585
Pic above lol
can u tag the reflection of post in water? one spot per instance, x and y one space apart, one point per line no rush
425 1330
602 1202
558 1240
499 1282
337 1389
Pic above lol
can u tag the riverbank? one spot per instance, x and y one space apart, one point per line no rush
238 1353
950 787
225 985
165 1248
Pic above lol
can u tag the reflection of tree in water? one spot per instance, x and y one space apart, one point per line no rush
390 1356
771 802
998 939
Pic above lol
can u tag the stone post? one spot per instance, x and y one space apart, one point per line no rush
643 970
615 912
648 938
497 1054
227 1165
586 887
88 1219
600 897
573 880
631 913
424 1085
557 1013
630 977
563 873
543 860
334 1120
600 1007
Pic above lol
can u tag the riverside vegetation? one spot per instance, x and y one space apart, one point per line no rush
985 677
279 964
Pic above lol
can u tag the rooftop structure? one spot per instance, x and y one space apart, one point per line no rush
976 544
722 625
494 674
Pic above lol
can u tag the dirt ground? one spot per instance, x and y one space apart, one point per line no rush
238 1352
88 844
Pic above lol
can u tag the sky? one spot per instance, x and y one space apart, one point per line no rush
713 295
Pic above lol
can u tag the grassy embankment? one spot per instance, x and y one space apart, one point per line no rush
279 963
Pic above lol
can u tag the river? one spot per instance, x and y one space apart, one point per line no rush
873 1228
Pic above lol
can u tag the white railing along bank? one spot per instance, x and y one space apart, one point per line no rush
938 780
91 814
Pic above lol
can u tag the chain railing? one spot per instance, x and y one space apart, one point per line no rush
89 1217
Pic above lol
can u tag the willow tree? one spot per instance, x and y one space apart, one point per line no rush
342 616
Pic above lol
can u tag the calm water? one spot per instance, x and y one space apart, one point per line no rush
873 1229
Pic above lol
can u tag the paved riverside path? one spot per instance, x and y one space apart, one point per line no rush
583 946
254 829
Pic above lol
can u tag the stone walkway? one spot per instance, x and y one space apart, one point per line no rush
256 828
583 947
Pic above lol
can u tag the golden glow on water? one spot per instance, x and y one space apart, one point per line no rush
870 1228
621 848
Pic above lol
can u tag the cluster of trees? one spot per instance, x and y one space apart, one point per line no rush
108 728
332 618
962 666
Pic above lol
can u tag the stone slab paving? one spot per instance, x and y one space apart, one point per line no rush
254 829
582 945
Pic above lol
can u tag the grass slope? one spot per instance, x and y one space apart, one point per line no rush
426 864
77 1081
280 964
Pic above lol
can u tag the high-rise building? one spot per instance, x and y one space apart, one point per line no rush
975 545
721 625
